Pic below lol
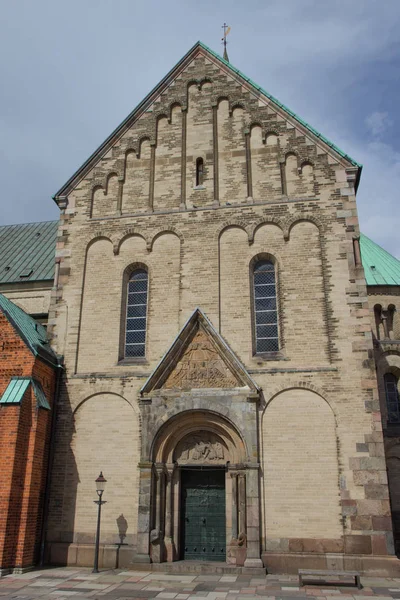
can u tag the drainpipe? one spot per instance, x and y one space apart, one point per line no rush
46 500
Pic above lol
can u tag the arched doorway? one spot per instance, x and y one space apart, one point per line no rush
201 486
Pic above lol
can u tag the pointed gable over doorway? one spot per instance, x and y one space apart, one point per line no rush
198 358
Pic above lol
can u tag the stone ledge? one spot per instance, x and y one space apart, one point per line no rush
379 566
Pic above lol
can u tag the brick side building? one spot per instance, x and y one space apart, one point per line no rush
28 372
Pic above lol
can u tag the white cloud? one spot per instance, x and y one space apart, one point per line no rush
378 122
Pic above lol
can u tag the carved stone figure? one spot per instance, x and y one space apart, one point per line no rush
203 447
201 367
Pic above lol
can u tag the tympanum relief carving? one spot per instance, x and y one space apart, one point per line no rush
203 447
201 366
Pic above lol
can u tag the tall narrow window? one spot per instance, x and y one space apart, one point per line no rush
199 171
392 398
265 308
136 314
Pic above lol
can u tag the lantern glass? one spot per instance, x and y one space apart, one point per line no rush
100 483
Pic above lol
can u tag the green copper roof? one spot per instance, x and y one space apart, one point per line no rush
16 389
41 400
33 334
27 252
381 268
284 107
164 82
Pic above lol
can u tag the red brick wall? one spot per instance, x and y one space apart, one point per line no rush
24 445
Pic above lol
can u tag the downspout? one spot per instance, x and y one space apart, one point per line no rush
46 500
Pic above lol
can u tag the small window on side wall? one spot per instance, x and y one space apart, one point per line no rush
136 314
392 398
265 308
199 172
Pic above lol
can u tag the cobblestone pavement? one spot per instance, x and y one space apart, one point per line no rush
81 584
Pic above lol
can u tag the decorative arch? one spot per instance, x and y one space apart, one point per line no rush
95 188
160 232
203 81
99 235
266 221
101 393
108 177
235 105
128 151
284 443
94 448
307 163
179 426
143 138
304 385
228 225
290 223
127 234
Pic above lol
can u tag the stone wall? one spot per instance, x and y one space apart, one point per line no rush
34 299
270 189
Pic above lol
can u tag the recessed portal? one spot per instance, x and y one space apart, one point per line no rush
203 521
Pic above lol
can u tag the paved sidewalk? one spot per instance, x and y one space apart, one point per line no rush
80 584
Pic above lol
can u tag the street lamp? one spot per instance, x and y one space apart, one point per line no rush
100 485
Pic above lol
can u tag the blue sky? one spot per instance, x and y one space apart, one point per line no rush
72 71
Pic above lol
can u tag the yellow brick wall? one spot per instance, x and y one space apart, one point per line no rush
300 467
202 259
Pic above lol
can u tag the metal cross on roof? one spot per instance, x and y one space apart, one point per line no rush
226 29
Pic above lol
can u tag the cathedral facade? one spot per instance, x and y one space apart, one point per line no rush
211 308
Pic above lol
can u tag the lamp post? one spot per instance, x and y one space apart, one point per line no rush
100 485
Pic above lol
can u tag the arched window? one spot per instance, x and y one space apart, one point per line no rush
199 171
136 314
392 398
265 307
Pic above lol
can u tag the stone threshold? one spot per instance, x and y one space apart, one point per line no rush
196 566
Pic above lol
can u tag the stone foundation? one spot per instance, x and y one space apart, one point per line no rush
378 566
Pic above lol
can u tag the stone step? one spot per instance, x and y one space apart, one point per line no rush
196 567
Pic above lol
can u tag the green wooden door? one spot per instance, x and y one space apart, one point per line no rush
203 515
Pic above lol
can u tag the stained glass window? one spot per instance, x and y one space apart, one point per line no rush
136 314
265 307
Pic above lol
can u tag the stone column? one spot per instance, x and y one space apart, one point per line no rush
357 252
169 525
143 529
183 162
253 516
157 534
248 166
215 153
242 503
384 317
119 197
235 528
283 177
152 174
